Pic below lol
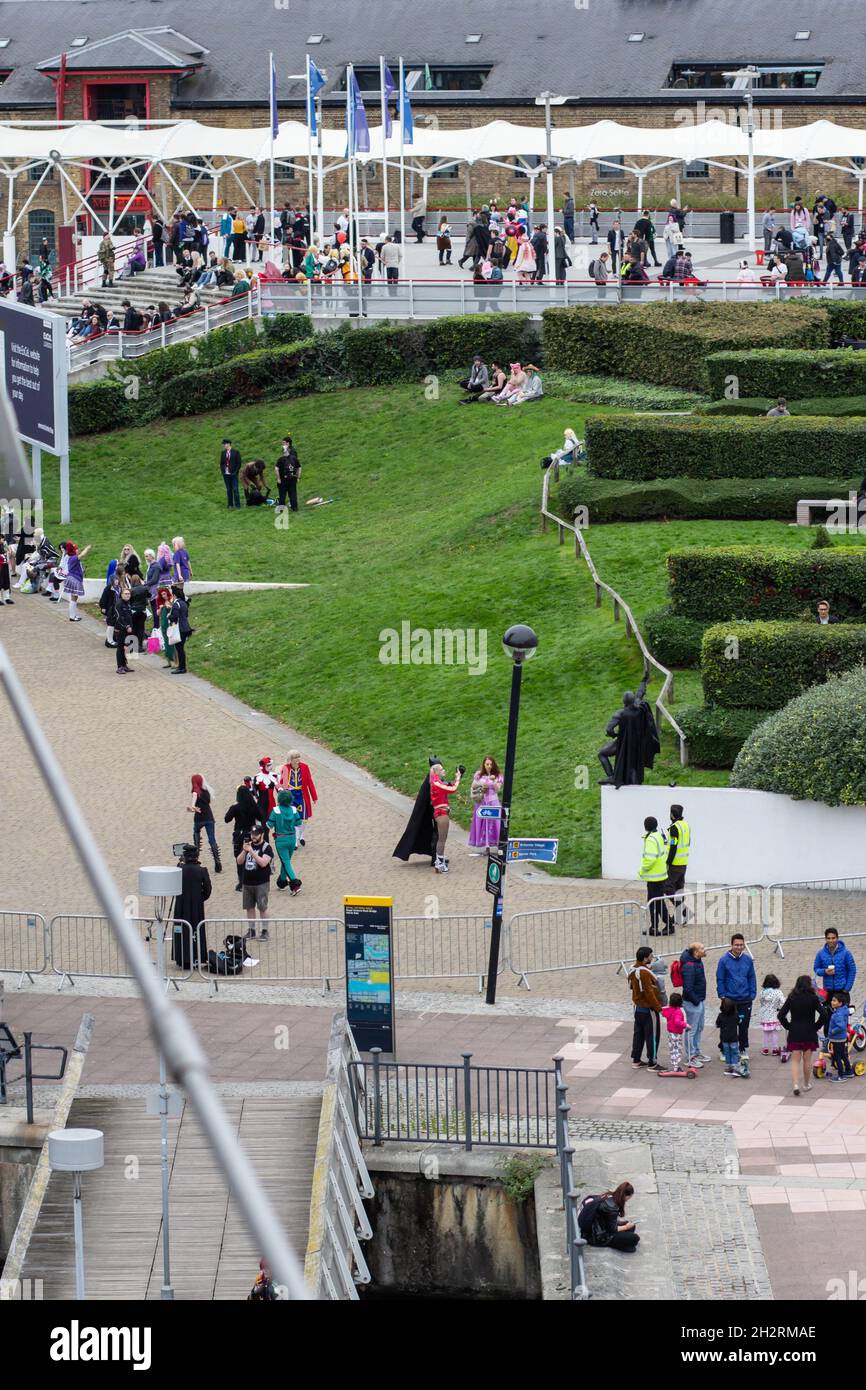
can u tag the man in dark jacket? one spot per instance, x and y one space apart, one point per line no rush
539 246
823 614
694 992
244 811
230 467
835 252
123 624
179 613
132 319
189 943
288 469
616 242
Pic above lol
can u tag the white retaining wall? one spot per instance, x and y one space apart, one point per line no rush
737 836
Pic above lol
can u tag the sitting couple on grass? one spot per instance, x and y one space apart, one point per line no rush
523 384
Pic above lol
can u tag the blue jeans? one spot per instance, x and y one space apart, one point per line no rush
834 270
695 1015
209 829
731 1054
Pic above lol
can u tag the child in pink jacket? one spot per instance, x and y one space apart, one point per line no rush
677 1023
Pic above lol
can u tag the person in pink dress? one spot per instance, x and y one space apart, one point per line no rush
485 791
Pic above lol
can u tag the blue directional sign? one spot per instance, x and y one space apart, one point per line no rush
540 851
489 812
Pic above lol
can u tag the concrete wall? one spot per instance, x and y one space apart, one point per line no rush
737 836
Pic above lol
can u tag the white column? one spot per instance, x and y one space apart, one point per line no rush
65 514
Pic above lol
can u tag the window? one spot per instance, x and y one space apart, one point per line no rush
284 171
772 75
40 225
612 168
533 160
803 34
195 165
786 169
315 38
36 171
4 43
447 171
451 79
79 42
697 169
636 38
473 38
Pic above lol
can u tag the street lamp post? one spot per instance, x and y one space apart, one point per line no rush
547 99
521 643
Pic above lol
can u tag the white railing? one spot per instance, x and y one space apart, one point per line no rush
115 345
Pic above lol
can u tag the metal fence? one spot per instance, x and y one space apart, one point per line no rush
573 938
442 948
108 347
25 947
804 911
296 950
84 946
574 1241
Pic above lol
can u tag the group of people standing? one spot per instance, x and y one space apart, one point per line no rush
132 595
427 830
252 477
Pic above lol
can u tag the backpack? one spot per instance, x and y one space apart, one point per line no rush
676 973
229 961
590 270
586 1215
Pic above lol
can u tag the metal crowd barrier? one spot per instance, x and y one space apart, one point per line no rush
296 950
25 948
83 946
714 914
442 948
804 911
573 938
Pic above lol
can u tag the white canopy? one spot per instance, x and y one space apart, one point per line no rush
819 140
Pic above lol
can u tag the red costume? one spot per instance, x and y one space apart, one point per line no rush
299 780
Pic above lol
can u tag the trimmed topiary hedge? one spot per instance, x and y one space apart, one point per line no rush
795 373
717 499
813 749
453 342
668 343
763 665
387 353
811 405
102 405
698 446
716 735
287 328
673 641
722 583
255 375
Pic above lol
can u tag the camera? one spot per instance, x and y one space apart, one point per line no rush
461 768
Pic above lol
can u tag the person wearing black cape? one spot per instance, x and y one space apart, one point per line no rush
634 740
189 942
419 837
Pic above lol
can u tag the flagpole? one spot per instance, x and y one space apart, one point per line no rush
320 174
272 88
384 138
350 153
312 230
402 168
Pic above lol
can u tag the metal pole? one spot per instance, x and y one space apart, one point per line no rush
78 1229
750 187
36 469
167 1292
28 1076
384 129
376 1053
402 171
508 780
551 259
467 1100
170 1027
269 227
320 175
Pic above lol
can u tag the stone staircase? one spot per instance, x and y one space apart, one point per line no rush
147 288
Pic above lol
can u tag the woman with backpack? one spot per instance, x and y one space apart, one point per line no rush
602 1220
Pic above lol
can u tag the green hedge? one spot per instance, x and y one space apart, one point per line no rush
256 375
387 353
668 343
287 328
673 641
763 665
716 735
847 317
793 373
101 405
718 499
813 749
697 446
811 405
723 583
453 342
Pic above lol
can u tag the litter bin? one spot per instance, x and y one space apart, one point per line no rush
726 228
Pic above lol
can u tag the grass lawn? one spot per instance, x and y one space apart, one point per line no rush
434 522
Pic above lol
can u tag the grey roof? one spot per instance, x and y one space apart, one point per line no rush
529 46
158 47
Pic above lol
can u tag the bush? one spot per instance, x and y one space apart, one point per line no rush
668 343
742 581
287 328
793 373
673 641
716 735
719 499
630 395
811 405
453 342
251 377
209 350
762 665
101 405
386 354
813 749
694 446
847 318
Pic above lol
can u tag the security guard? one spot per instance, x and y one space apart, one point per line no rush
654 871
679 840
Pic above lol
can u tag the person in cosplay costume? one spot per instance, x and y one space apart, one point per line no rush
73 584
265 788
244 811
427 831
284 822
297 780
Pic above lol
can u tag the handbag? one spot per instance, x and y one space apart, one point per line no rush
154 642
172 632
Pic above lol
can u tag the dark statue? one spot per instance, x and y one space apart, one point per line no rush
634 740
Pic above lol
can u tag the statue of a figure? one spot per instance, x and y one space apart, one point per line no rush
634 740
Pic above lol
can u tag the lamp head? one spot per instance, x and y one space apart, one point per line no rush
520 642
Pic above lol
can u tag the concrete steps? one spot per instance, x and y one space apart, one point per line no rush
147 288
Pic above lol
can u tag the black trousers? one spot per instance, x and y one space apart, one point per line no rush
139 620
233 495
288 489
120 646
180 650
655 896
646 1033
839 1052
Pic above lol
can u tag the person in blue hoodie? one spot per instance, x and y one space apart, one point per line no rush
837 1036
835 964
735 979
694 992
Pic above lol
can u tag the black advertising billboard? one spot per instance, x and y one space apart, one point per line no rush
33 352
369 976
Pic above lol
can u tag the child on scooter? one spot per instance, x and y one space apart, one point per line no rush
677 1023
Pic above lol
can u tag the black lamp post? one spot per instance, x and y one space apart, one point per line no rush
521 643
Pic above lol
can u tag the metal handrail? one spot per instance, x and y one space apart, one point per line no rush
619 604
574 1241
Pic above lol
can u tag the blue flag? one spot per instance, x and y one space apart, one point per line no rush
388 90
315 83
407 117
275 120
359 135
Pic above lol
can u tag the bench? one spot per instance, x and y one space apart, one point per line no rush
806 504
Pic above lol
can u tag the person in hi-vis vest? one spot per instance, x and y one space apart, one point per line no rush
654 872
679 844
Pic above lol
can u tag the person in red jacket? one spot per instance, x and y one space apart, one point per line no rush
296 778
